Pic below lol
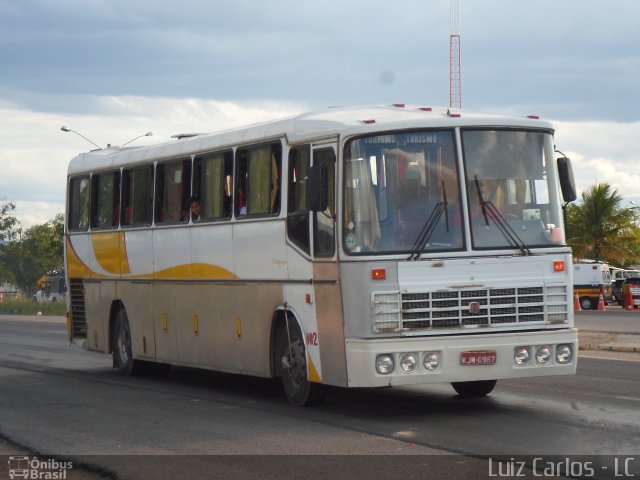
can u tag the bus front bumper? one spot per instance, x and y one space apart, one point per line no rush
462 358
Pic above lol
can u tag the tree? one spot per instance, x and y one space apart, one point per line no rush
34 252
8 225
600 228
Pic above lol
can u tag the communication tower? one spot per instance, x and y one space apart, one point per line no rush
455 76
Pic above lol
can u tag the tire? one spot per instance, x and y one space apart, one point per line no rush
586 303
297 387
121 351
474 389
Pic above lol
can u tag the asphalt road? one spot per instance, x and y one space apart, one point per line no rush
60 401
613 319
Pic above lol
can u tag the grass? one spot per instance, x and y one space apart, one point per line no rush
25 306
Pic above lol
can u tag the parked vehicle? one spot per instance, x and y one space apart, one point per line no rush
618 288
590 280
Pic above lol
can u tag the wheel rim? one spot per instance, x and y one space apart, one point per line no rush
123 341
297 371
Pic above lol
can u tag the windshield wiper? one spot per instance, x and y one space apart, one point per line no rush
491 212
430 226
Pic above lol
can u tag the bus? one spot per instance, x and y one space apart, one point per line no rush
351 247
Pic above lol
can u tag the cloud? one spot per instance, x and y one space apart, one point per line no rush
603 152
36 153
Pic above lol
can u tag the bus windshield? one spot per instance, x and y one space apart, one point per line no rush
402 192
511 190
395 185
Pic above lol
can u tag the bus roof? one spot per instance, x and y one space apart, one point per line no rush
327 123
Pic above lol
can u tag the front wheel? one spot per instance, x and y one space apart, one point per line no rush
121 352
474 389
292 354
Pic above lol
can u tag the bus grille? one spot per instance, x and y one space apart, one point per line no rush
455 309
78 314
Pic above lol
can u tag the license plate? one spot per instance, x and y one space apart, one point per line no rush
478 358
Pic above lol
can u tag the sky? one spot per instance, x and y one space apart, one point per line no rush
115 69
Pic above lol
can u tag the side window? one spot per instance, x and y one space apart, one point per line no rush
258 180
105 200
173 183
212 185
137 196
297 210
78 209
324 222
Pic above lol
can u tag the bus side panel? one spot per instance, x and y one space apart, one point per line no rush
260 250
164 322
98 298
138 303
330 324
226 327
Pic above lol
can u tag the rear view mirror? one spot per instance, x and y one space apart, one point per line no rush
567 183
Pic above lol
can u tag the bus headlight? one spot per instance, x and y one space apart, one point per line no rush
521 356
564 354
384 364
543 355
408 362
431 361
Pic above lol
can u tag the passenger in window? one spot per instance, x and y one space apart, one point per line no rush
196 208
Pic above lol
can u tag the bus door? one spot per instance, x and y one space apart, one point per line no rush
326 344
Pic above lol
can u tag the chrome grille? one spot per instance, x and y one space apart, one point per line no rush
407 311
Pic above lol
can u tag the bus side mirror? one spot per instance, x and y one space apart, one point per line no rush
567 184
317 189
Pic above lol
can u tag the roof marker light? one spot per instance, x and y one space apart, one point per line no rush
368 121
533 117
399 105
426 109
453 115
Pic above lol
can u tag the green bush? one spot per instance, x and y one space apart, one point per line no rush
25 306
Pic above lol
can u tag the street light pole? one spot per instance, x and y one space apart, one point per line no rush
65 129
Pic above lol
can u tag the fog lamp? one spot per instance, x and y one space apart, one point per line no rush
431 361
543 355
564 354
521 356
384 364
408 362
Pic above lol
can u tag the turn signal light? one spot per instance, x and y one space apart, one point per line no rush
379 274
558 266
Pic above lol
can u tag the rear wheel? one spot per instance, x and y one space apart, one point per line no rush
586 303
474 389
122 353
292 355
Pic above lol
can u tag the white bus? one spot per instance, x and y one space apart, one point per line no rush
353 247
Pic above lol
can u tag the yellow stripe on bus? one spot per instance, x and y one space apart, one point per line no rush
314 376
111 252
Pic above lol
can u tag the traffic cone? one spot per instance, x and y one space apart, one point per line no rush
601 303
576 303
628 299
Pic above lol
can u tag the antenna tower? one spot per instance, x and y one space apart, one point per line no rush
455 76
